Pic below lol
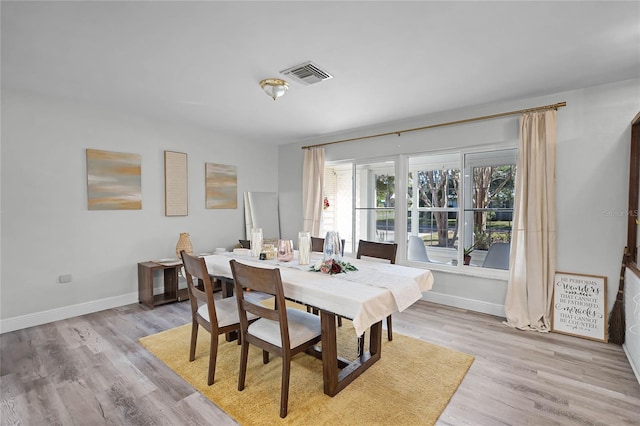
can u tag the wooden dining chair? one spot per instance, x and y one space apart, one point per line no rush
378 250
216 316
281 331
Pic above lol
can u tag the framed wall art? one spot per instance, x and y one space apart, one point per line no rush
176 188
221 186
580 305
113 180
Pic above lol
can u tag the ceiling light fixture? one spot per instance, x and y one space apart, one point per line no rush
274 87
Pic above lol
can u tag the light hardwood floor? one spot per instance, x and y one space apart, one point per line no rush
91 370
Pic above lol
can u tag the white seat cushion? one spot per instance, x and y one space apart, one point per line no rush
302 327
226 311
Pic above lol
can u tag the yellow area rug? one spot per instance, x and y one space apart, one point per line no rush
411 384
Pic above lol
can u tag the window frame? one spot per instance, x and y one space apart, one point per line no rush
356 209
401 162
453 162
499 157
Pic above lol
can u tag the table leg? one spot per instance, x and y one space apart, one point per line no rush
334 378
329 353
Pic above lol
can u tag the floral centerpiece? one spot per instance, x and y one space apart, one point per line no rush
332 267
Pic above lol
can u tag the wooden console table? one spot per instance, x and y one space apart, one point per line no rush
170 293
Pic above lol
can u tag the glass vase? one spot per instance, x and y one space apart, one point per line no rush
256 242
331 249
285 251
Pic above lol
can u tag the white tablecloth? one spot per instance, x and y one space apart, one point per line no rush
367 295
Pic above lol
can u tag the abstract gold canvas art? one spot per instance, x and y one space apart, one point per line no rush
113 180
221 186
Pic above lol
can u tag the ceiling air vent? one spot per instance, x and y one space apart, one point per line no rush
307 73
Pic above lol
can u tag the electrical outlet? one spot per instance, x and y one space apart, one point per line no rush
64 278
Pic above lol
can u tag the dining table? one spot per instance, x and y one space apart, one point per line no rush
366 296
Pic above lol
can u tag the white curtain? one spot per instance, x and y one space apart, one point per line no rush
533 243
312 182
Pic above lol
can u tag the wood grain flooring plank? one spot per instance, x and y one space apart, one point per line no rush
123 407
19 355
12 400
197 410
45 406
134 380
161 376
82 405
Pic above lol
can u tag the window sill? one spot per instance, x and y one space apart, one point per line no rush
472 271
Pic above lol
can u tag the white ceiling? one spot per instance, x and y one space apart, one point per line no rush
200 62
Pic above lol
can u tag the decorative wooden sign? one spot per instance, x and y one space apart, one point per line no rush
580 305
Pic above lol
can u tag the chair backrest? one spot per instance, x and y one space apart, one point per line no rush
416 249
196 269
497 256
378 250
264 280
317 244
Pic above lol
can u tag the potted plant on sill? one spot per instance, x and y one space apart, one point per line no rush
467 254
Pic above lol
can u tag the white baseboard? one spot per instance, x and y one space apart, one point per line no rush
464 303
44 317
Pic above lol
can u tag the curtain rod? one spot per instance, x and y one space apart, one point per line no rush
449 123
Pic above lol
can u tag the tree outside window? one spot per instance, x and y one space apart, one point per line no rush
437 192
493 192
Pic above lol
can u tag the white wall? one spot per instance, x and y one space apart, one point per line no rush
48 231
592 178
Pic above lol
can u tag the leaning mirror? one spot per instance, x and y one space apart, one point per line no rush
261 211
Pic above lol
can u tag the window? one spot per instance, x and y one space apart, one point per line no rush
433 185
374 210
490 185
455 203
